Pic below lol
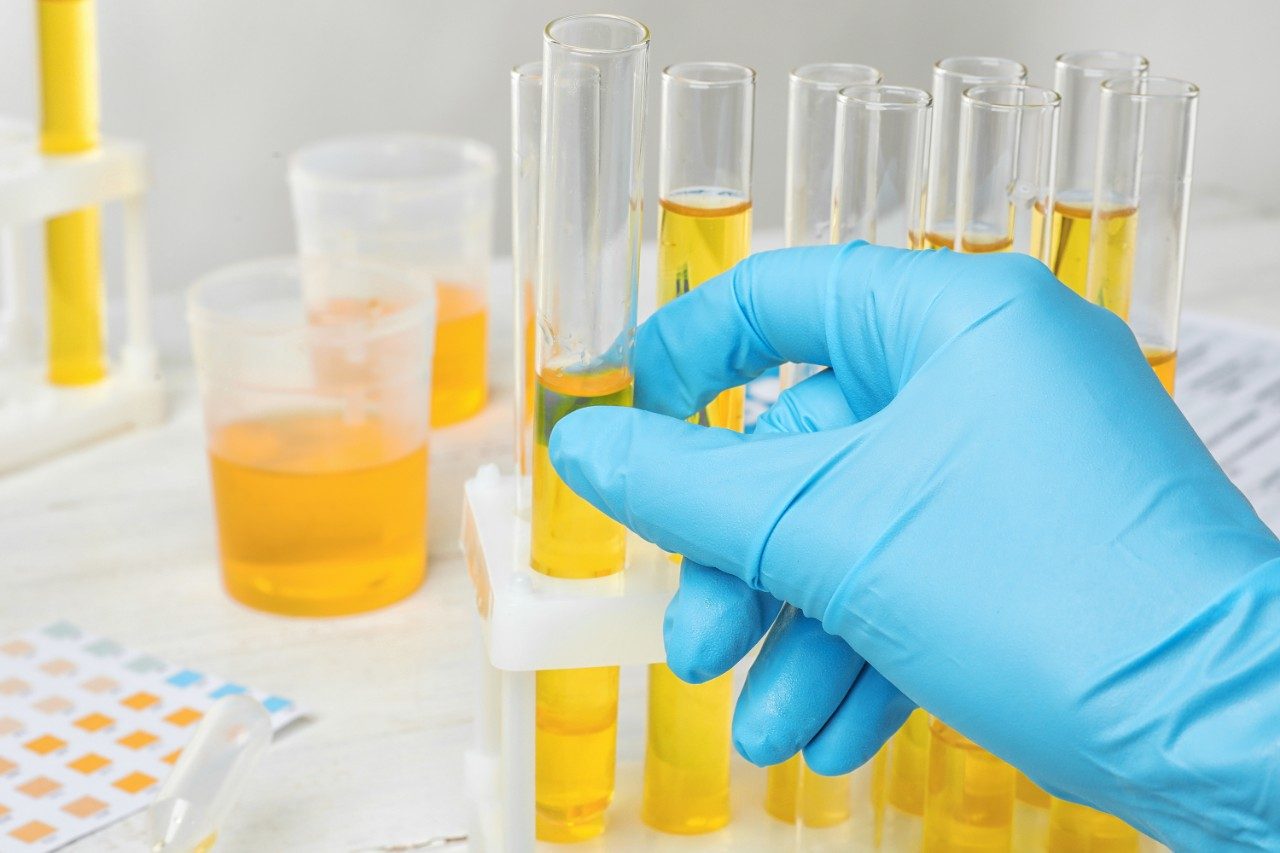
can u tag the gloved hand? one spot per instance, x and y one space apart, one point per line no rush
1016 528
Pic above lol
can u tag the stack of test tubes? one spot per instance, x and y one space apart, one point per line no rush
984 163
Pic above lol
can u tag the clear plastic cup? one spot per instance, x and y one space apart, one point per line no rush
424 204
316 422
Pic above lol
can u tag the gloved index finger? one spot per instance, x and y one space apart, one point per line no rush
767 310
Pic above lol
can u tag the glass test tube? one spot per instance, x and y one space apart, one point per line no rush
590 187
1141 198
1078 78
704 186
69 125
526 140
951 77
1005 168
878 180
811 126
877 186
1008 134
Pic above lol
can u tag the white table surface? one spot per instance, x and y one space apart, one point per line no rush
119 538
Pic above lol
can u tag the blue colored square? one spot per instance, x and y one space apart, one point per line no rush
186 678
275 703
227 690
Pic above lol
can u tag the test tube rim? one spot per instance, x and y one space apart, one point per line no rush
480 160
642 42
1049 98
940 67
199 313
748 78
531 70
1129 62
804 74
1185 90
920 99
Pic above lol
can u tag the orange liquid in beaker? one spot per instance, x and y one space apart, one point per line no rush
459 385
318 516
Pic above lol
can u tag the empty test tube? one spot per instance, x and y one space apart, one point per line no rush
526 139
704 186
1008 135
1078 79
811 125
209 775
69 125
590 187
1142 194
951 77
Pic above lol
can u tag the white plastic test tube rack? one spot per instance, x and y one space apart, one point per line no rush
38 420
531 622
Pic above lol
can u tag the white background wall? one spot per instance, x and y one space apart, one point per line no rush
222 89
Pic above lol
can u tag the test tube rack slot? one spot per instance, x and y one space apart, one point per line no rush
37 419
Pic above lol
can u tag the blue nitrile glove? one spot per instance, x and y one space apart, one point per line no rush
807 688
1018 529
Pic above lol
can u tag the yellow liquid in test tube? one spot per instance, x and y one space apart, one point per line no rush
69 125
317 515
577 709
794 791
459 368
969 806
686 781
1079 829
907 765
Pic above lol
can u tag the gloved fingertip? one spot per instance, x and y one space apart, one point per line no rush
756 745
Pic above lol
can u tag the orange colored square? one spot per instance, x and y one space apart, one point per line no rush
14 687
134 782
31 831
140 701
54 704
137 739
172 757
89 763
84 807
183 717
8 725
39 786
93 722
4 810
17 648
61 666
45 744
101 684
6 765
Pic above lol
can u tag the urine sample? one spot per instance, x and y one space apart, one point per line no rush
316 421
704 229
951 77
811 122
1074 828
69 125
526 140
794 793
1008 134
1078 78
969 806
585 297
421 203
1142 193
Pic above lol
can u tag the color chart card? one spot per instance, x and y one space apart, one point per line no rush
89 730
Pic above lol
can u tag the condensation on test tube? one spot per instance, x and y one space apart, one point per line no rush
526 143
811 123
951 77
209 775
